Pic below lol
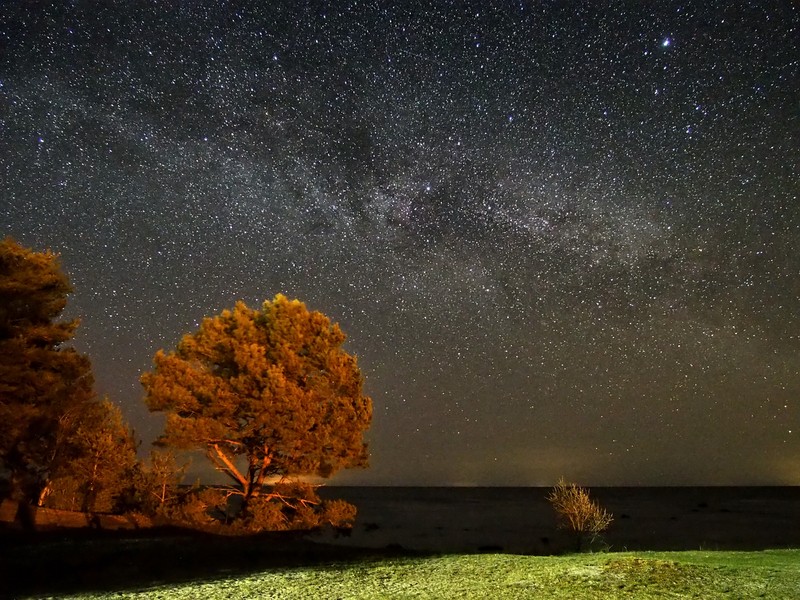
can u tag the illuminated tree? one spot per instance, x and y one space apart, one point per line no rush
577 512
267 394
44 386
157 481
97 464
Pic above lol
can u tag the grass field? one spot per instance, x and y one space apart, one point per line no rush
695 574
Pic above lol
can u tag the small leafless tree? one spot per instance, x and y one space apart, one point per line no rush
578 513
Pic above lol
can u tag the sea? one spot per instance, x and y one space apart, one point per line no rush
520 519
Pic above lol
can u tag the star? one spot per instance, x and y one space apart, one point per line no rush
518 244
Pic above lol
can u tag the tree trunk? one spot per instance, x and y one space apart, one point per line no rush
225 464
25 516
89 497
44 494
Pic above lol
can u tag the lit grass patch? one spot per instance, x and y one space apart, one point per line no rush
650 574
708 575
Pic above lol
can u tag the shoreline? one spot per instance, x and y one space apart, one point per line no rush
520 520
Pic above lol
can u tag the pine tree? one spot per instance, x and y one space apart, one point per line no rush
98 463
265 393
43 385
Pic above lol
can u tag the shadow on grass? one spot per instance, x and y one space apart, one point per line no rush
73 562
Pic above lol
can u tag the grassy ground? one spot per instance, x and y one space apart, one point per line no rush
697 574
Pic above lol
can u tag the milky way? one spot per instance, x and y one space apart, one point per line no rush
561 236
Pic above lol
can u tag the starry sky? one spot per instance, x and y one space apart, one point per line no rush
562 237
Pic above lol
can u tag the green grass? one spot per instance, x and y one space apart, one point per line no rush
696 574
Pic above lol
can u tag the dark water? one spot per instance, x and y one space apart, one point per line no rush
520 520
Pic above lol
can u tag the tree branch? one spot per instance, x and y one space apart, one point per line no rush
285 500
265 462
224 463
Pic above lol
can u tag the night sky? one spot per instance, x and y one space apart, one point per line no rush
562 237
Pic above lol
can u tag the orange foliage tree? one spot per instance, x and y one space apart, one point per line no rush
98 464
45 387
265 393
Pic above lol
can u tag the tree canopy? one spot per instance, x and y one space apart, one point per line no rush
264 393
44 386
96 466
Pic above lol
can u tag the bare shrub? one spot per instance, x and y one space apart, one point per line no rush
577 512
339 514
